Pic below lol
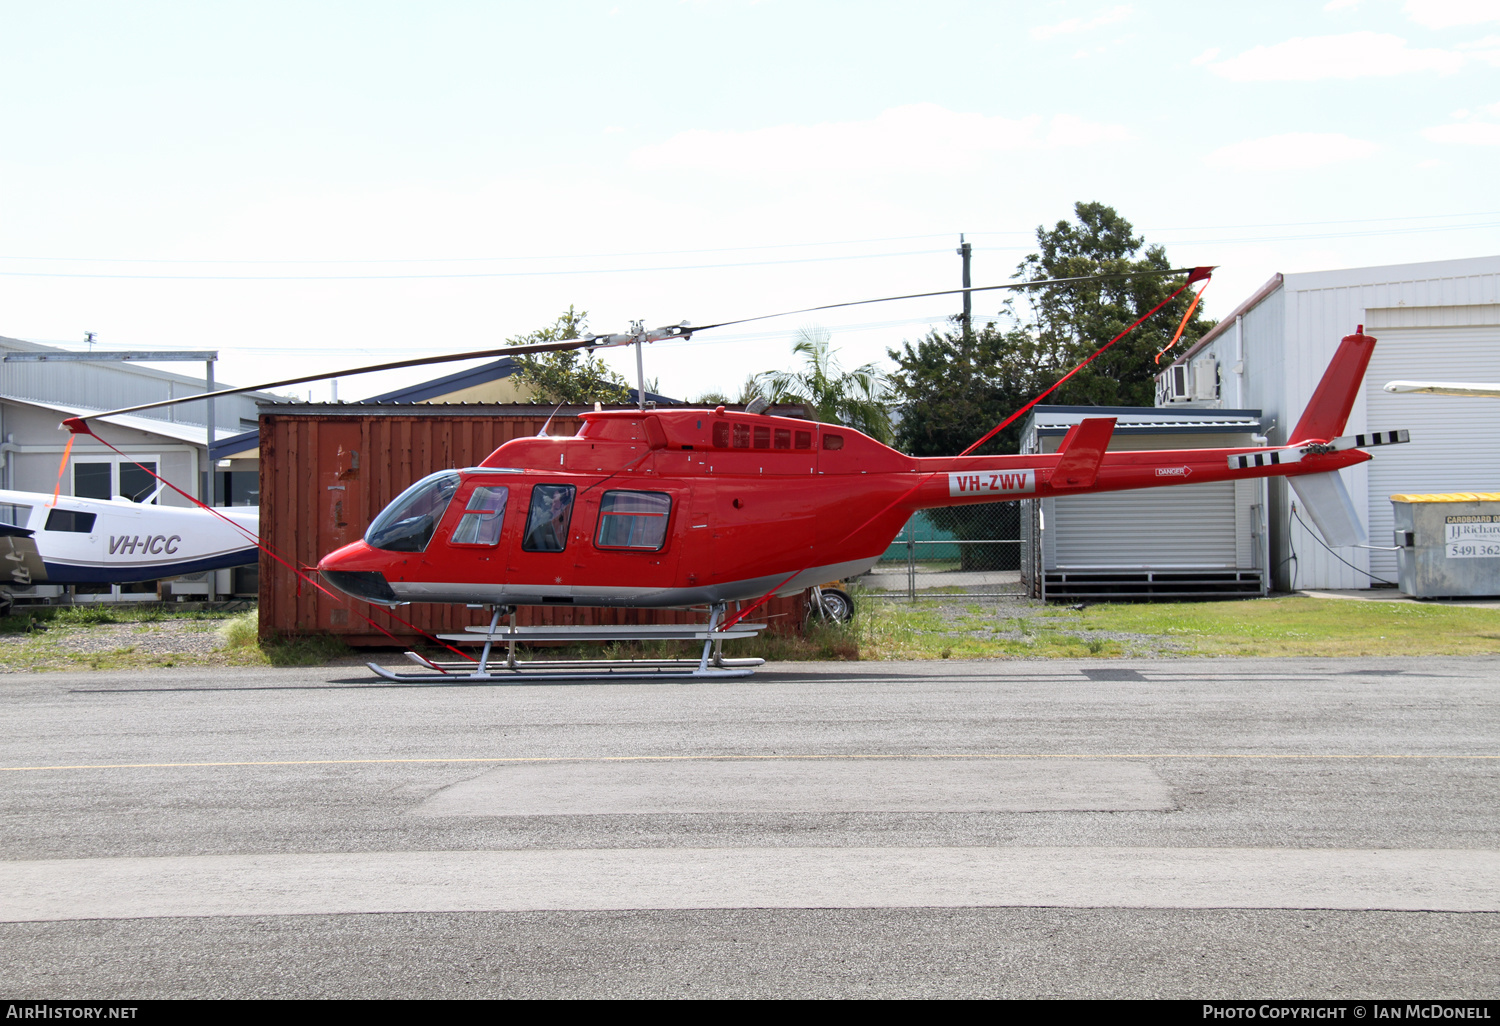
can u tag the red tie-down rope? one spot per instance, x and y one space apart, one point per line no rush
80 427
1197 274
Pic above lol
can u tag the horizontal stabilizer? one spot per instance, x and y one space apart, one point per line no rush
1327 501
1276 457
1082 451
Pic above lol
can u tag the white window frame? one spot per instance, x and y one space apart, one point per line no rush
114 471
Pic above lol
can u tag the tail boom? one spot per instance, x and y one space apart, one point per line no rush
961 481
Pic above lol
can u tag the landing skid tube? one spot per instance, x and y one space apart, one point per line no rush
507 669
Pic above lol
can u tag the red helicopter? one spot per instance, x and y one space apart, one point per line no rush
706 507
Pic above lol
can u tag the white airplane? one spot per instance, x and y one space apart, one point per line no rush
1465 388
115 541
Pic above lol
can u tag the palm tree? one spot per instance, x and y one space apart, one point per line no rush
832 395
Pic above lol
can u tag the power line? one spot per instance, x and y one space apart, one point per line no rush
475 274
1030 234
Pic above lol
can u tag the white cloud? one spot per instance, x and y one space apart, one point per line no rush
1486 49
1352 55
1440 14
1341 5
1207 55
1471 128
1295 151
1071 25
1469 133
921 137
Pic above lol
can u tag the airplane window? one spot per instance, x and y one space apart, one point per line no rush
742 436
633 520
804 439
71 521
547 522
783 438
480 524
16 516
721 434
833 441
406 525
762 437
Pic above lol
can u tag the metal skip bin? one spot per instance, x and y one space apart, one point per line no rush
1449 544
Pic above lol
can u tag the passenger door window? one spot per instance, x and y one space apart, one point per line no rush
547 520
633 520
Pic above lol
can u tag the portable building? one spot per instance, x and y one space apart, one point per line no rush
1434 321
1184 541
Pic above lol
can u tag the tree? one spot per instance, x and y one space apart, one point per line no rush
573 377
831 394
953 386
1070 321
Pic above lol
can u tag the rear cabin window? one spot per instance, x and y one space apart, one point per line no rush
485 512
547 521
833 441
727 435
633 520
70 521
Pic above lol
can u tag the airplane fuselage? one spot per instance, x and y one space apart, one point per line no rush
116 541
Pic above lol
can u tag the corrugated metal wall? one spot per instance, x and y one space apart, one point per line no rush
1197 525
325 477
108 386
1288 340
1455 442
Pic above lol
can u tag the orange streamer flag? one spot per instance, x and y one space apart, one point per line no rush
1208 277
62 469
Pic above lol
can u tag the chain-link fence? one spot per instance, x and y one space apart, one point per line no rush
961 551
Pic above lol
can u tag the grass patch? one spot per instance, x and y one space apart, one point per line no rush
1295 626
242 644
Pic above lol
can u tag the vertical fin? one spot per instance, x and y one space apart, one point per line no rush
1328 409
1327 501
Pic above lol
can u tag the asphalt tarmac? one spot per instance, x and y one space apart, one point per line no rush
1172 828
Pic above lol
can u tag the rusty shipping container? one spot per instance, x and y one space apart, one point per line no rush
326 470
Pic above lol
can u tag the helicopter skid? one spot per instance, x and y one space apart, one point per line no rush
531 671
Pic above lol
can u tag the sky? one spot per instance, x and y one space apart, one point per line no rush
307 187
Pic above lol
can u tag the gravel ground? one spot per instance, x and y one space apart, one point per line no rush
58 646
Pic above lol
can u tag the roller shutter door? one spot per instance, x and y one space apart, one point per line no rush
1455 442
1182 526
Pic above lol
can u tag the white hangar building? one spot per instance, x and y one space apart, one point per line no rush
1434 321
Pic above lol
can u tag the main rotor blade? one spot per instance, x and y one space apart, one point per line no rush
1196 272
421 361
599 340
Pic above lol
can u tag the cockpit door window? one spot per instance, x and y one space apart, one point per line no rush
547 521
482 517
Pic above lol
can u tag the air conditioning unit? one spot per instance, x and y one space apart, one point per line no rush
1206 379
1177 384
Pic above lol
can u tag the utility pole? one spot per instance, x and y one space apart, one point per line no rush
965 250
